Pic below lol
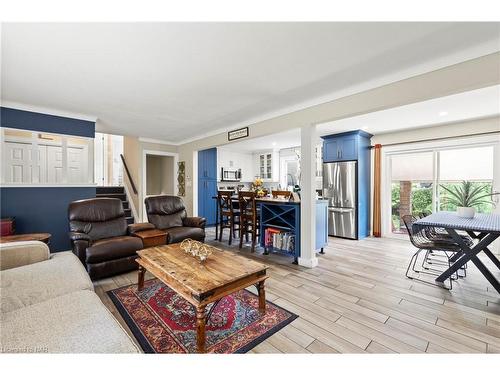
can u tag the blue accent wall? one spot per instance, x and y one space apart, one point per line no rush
18 119
44 209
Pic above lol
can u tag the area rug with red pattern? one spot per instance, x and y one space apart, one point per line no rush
164 322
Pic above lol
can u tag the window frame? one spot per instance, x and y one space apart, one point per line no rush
435 147
35 143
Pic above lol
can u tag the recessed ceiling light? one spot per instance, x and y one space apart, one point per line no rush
443 113
274 143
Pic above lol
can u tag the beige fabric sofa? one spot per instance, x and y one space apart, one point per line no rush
48 305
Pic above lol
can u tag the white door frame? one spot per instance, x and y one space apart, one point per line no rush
142 194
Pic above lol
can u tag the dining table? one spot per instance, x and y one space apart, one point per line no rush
485 228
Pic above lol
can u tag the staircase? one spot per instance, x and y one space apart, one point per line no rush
116 192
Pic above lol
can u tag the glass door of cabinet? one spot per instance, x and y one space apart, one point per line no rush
262 166
269 166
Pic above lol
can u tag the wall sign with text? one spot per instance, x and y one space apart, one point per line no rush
237 134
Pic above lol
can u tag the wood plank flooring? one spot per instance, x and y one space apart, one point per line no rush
358 300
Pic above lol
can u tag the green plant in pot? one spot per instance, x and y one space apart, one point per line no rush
467 196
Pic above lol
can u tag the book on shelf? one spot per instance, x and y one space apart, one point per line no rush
279 239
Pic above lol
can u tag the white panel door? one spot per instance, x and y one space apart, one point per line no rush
17 163
54 165
77 165
38 168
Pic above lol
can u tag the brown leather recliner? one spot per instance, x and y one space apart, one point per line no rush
168 213
100 236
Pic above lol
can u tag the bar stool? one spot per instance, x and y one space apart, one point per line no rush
229 217
249 218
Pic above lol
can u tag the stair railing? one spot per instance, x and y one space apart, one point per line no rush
128 174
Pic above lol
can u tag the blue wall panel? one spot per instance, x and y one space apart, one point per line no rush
43 209
15 118
207 184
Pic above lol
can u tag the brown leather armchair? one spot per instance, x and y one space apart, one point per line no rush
168 213
100 236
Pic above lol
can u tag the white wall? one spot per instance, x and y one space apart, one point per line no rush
159 175
464 128
133 153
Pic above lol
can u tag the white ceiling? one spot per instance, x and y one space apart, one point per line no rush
446 110
176 81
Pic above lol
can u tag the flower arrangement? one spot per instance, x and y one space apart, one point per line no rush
258 187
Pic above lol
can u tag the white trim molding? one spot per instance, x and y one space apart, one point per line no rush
142 194
46 185
48 111
157 141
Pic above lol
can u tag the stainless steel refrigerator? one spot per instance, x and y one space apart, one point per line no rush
339 187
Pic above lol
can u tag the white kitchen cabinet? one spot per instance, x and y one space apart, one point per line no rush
267 165
233 160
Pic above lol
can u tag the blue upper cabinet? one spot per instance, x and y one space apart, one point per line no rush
340 148
331 150
207 164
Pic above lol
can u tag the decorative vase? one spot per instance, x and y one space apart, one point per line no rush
466 212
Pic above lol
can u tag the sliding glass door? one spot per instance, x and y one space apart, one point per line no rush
467 164
420 182
412 186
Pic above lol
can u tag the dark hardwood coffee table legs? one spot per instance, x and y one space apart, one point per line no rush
198 284
140 278
200 329
262 297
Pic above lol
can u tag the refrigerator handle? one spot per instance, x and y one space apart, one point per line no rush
340 210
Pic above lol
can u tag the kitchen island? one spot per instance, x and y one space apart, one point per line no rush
280 226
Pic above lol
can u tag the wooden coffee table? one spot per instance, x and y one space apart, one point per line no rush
44 237
223 273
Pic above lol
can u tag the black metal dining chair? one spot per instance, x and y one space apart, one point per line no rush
424 242
440 234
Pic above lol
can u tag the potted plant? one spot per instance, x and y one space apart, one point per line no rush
258 187
467 197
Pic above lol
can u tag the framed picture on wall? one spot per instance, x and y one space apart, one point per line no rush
237 134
